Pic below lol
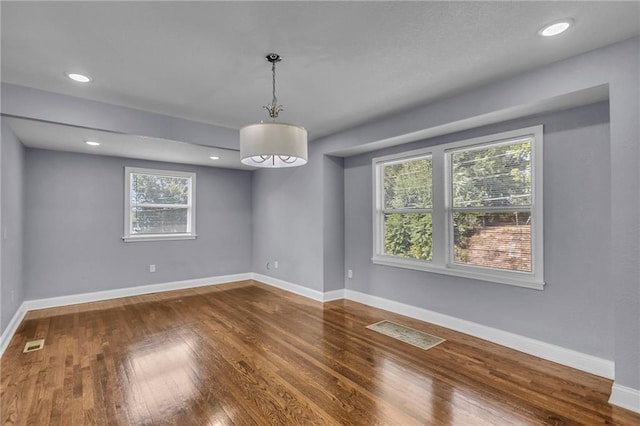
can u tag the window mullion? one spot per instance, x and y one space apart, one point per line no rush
406 211
506 209
439 231
378 220
189 201
163 206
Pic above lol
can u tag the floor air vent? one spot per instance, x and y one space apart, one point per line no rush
34 345
405 334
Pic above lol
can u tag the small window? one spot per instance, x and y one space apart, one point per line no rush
471 208
159 205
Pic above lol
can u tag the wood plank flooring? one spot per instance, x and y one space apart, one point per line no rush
245 354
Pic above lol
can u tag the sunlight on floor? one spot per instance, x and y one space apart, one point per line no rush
164 379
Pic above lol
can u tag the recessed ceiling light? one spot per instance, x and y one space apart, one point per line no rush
555 28
92 143
214 157
80 78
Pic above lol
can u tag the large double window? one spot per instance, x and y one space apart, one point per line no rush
159 205
471 208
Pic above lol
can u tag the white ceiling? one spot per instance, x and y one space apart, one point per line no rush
344 62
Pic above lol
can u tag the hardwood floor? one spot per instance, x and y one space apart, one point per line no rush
246 353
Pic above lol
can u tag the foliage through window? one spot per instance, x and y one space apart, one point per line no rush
470 208
159 204
491 205
407 208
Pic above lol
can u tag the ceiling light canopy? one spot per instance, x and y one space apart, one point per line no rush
273 145
80 78
555 28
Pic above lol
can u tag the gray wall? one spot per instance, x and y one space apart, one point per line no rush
575 310
75 217
333 229
616 66
11 231
625 208
298 220
294 240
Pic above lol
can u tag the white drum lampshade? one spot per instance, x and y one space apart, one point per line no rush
273 145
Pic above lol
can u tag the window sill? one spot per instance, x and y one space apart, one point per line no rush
158 237
420 265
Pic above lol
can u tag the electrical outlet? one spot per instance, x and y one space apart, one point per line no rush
13 296
152 268
349 273
275 264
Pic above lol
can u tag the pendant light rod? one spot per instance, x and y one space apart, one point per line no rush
274 109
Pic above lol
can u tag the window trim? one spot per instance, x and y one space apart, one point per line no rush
442 257
191 206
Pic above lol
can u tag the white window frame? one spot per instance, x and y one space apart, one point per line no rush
380 209
191 206
442 234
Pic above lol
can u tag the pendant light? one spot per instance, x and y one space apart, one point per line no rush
272 144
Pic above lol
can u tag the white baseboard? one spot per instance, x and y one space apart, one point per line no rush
590 364
300 290
53 302
290 287
333 295
97 296
568 357
625 397
12 327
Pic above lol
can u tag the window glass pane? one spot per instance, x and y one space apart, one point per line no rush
498 175
494 240
158 220
153 189
408 184
408 235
